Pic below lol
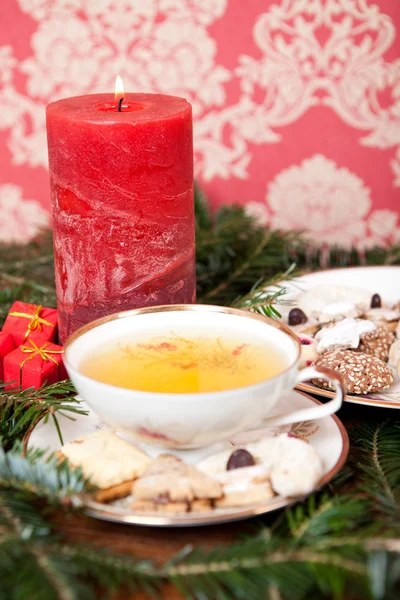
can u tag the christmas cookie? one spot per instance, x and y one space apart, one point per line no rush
300 323
298 469
342 335
284 464
263 452
362 373
377 343
384 317
333 303
109 462
168 482
244 473
336 311
164 506
248 485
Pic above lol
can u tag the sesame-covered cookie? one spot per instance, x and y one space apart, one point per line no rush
377 343
362 373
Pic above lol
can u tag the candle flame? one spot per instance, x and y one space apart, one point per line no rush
119 89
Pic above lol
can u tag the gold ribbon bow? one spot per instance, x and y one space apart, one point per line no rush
35 322
34 351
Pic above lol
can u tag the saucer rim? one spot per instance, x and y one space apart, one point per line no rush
99 511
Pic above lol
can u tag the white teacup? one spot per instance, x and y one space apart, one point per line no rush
192 420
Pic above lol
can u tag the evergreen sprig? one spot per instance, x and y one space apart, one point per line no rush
380 465
34 473
265 294
27 273
22 410
233 252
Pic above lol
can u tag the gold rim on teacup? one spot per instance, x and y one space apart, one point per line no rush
143 415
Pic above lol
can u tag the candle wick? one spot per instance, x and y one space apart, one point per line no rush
120 104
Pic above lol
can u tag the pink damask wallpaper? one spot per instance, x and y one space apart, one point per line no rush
296 102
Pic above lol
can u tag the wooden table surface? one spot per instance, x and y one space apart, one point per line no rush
160 544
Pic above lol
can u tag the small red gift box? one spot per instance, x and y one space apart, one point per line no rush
31 321
6 346
33 363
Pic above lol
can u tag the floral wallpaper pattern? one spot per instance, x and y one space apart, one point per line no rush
296 102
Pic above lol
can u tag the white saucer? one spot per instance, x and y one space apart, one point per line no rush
328 436
384 281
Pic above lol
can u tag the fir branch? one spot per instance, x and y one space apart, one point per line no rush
20 518
201 210
29 260
50 570
294 567
237 273
21 410
233 252
36 474
113 570
319 515
380 465
28 540
262 297
27 273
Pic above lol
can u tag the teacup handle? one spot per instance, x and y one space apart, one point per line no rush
316 412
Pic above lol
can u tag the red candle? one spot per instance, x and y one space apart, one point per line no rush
122 202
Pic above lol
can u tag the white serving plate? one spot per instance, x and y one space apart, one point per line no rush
384 281
327 435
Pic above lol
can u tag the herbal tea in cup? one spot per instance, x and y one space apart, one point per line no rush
189 375
180 363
